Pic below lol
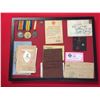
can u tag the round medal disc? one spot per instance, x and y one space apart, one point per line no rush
27 35
20 34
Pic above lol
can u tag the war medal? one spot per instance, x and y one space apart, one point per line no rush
34 31
20 28
27 34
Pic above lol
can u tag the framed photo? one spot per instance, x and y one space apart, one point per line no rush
53 49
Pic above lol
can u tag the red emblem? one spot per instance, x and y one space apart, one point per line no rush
53 22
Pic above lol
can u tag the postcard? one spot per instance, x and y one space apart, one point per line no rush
79 28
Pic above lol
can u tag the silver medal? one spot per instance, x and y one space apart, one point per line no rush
20 34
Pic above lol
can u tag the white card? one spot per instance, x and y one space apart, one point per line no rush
74 57
77 28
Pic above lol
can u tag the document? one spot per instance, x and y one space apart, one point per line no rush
53 32
52 63
79 70
16 44
79 28
26 59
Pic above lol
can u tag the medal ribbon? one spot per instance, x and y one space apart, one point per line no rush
20 25
28 25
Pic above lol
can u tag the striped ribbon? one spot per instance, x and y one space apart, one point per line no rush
28 25
20 25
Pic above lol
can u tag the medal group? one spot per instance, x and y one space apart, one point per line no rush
27 26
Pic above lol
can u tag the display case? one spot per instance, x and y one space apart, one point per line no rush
53 49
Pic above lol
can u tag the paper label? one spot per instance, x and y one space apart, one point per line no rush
74 56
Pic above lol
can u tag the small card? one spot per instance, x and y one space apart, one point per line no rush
79 43
74 57
79 70
79 28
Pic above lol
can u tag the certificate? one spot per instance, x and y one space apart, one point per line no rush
53 32
78 28
79 70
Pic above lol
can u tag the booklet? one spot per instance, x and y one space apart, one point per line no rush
26 59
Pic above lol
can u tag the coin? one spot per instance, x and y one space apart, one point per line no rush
27 35
20 34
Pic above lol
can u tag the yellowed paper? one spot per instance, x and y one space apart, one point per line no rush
55 47
79 70
26 59
79 28
53 32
